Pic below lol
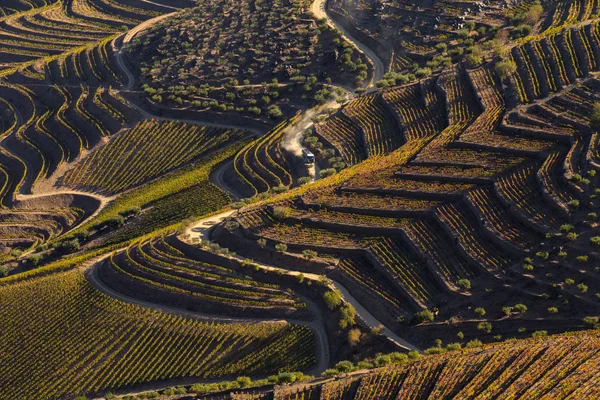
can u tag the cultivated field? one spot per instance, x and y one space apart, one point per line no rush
212 199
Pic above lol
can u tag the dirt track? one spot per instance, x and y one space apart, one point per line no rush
321 341
320 12
200 231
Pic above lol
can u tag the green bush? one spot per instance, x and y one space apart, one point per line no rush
485 327
473 343
332 299
281 247
243 381
424 316
453 346
344 366
465 284
522 308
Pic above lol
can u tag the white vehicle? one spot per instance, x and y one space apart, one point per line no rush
309 158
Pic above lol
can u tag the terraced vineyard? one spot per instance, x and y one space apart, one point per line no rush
552 368
461 200
59 100
92 342
138 155
228 195
154 265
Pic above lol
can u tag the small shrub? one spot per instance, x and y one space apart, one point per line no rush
552 310
398 358
281 247
332 299
582 287
383 359
423 316
473 343
522 308
528 267
435 350
480 311
464 284
582 259
539 334
328 373
453 346
591 321
327 172
34 260
485 327
505 68
274 112
354 336
232 225
309 254
282 213
348 316
572 236
344 366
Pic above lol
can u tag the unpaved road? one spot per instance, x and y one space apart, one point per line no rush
216 177
321 341
318 9
102 199
200 231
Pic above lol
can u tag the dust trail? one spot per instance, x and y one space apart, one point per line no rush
293 135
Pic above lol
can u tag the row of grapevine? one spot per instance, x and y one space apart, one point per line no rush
261 165
418 119
84 342
559 367
381 132
155 267
138 155
345 136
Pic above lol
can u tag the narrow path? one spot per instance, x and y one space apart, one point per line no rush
200 230
104 200
318 8
145 25
321 342
160 5
216 177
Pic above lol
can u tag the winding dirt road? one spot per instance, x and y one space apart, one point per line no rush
201 231
319 9
104 200
216 177
321 342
